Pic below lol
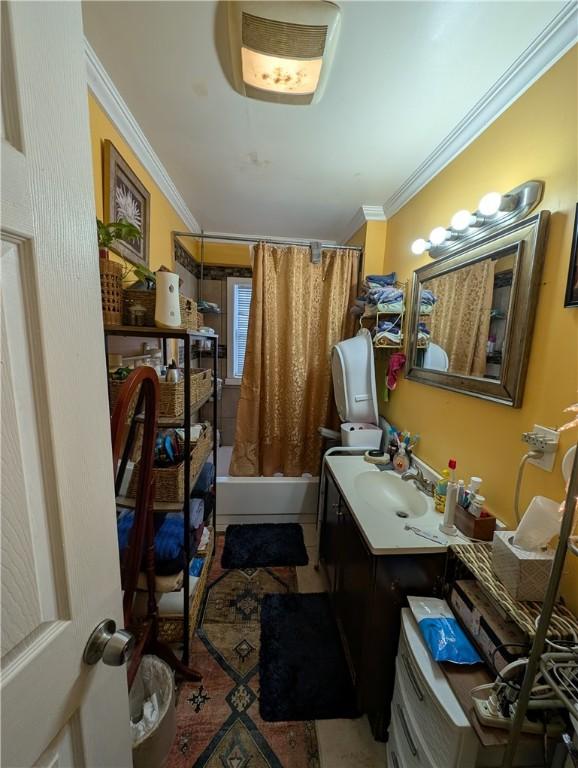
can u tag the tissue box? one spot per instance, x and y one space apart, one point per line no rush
524 574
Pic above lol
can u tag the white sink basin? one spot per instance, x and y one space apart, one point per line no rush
389 494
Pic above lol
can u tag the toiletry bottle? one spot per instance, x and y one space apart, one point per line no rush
471 491
461 492
401 460
447 525
440 492
477 505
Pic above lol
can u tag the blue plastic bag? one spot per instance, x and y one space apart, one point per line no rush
443 635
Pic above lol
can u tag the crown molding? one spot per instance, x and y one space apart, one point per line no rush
108 96
550 45
363 214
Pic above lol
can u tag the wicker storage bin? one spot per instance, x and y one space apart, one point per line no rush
111 293
171 625
201 384
172 395
170 481
148 298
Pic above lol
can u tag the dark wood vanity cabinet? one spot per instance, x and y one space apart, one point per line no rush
368 592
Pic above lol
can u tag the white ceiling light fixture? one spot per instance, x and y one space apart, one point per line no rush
282 51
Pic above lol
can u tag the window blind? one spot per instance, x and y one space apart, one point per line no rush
241 304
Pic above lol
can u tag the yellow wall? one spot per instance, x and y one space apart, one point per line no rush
228 254
163 217
371 237
535 138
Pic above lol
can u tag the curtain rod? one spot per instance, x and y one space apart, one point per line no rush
272 241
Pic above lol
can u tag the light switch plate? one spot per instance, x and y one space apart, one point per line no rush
547 460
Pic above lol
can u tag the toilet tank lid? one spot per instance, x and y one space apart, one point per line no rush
354 378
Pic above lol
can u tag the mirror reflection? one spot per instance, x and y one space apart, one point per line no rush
463 318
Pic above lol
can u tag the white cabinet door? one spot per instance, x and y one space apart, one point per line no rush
59 564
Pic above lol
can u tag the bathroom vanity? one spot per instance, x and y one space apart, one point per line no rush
372 563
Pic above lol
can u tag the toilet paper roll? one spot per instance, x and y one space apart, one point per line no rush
540 522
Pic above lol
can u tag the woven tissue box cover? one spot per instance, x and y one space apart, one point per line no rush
524 574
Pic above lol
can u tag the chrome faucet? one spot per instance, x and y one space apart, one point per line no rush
426 486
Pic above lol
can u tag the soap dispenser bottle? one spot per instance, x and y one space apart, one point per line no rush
401 459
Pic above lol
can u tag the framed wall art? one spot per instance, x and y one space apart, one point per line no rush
571 299
125 197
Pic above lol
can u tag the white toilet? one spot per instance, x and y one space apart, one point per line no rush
353 370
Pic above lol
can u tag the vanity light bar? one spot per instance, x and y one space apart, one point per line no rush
494 210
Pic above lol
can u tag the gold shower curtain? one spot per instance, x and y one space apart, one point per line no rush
298 311
460 321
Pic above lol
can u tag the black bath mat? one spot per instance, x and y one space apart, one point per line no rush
303 673
264 545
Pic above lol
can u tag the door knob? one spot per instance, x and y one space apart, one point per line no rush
114 646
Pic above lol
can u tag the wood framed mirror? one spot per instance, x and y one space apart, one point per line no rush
472 314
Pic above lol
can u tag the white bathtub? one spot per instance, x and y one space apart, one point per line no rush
265 499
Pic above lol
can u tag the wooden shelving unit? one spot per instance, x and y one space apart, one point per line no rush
186 338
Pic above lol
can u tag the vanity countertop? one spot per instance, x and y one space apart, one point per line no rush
374 497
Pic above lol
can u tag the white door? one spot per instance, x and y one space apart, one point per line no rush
60 573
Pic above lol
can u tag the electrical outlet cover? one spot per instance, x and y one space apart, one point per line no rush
547 460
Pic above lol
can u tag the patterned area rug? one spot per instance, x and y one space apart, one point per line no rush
218 722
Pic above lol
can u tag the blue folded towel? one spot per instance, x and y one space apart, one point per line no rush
427 297
382 279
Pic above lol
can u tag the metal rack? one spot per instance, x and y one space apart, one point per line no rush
186 337
556 670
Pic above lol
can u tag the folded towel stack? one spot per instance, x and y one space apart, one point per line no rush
377 289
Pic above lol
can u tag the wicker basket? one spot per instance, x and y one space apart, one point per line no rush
170 481
111 293
172 395
171 625
147 299
201 384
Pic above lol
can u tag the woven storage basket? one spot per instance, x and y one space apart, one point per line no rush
201 384
147 299
111 293
170 481
171 397
171 625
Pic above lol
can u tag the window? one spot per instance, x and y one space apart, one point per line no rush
238 304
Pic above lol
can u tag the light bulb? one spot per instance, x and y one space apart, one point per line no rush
490 204
438 235
462 220
420 246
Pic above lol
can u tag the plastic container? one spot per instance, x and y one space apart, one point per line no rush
150 749
357 434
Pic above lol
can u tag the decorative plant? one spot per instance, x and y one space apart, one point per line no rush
115 230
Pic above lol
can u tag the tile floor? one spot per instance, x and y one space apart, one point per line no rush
342 743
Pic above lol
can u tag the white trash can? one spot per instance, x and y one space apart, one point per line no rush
153 713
